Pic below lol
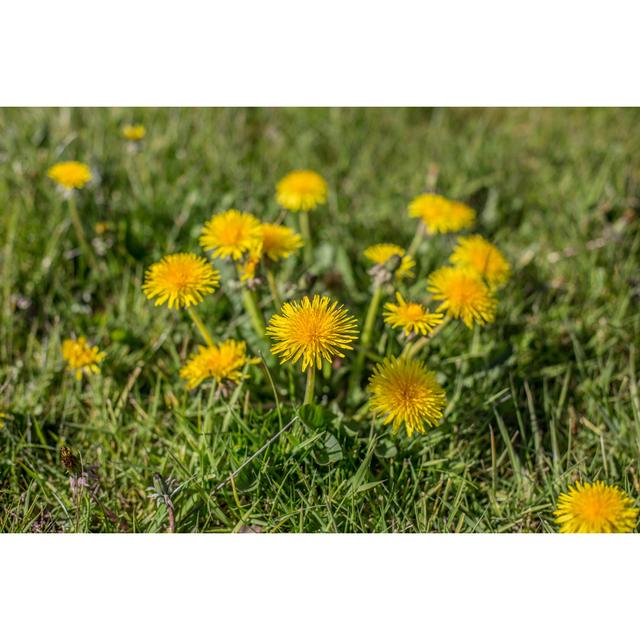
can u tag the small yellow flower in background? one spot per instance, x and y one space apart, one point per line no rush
301 191
222 362
230 234
81 358
412 317
463 294
595 508
406 392
247 268
133 132
181 279
4 418
311 330
381 253
483 257
70 175
441 215
279 241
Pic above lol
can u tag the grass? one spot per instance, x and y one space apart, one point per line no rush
543 397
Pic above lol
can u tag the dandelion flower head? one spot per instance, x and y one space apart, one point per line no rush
463 294
278 241
381 253
595 508
223 362
475 253
230 234
405 392
412 317
311 330
441 215
247 268
70 175
301 191
133 132
81 358
180 279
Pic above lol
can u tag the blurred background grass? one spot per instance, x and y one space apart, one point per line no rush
545 396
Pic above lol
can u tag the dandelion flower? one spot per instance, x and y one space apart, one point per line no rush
595 508
463 294
279 241
405 392
133 132
247 269
483 257
70 175
441 215
81 358
301 191
381 253
311 330
412 317
230 234
222 362
181 279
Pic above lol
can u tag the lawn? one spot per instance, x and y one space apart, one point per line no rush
545 396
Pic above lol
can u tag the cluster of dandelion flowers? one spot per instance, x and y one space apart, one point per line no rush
441 215
133 132
474 252
463 294
70 175
311 330
181 280
223 362
405 392
380 254
301 191
595 508
411 317
279 241
82 358
230 234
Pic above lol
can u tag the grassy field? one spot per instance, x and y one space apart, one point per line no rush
544 396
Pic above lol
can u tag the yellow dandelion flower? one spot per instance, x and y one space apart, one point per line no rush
483 257
133 132
70 175
230 234
247 269
381 253
411 316
222 362
595 508
81 358
311 330
301 191
181 279
279 241
441 215
463 294
4 418
405 392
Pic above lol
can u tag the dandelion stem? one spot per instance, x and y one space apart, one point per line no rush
251 307
306 237
197 320
417 239
82 238
311 384
273 287
365 340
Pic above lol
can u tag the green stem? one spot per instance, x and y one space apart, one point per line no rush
273 287
311 383
306 237
251 307
417 239
82 238
195 317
